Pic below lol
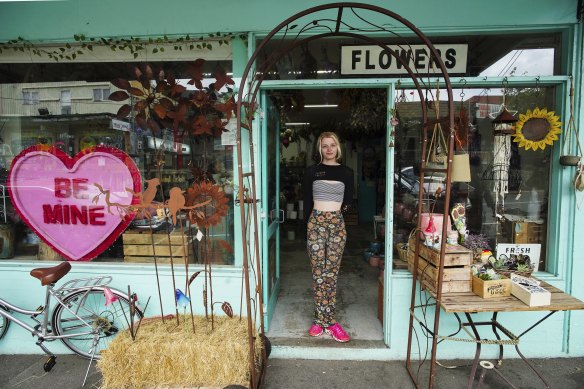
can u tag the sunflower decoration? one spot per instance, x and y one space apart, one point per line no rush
536 129
212 213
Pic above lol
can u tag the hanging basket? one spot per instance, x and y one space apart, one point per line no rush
569 160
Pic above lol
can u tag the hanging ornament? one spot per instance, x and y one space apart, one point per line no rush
503 127
571 140
536 129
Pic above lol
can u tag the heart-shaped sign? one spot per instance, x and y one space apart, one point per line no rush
79 205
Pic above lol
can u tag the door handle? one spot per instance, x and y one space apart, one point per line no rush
280 218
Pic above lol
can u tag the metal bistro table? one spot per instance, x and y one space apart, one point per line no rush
467 303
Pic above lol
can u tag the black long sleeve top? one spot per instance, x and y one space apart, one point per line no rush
340 173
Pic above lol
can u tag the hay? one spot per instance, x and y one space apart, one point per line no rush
167 355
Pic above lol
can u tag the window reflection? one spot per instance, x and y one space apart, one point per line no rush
521 214
67 106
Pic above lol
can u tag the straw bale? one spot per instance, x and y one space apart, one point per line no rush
167 355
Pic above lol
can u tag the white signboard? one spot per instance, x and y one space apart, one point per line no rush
515 251
120 125
376 60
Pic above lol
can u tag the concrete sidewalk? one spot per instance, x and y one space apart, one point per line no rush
26 371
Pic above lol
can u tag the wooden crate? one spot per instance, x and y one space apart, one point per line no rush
138 246
456 276
491 288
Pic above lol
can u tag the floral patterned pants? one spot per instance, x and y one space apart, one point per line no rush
326 241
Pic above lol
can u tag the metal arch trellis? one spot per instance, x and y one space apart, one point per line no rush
317 28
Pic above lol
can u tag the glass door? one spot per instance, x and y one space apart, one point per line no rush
272 216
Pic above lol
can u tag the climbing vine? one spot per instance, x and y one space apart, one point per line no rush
135 45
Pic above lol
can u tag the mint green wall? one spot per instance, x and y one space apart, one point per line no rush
19 288
60 20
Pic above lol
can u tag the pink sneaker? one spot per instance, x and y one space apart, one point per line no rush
315 330
337 332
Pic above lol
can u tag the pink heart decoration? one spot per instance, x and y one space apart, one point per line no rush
57 197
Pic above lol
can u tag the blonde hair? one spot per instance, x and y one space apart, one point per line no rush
332 135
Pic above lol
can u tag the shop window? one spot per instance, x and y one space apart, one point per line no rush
172 156
30 97
505 208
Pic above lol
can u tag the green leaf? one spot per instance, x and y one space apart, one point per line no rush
209 46
68 46
76 37
154 50
135 55
191 47
90 47
199 47
73 55
162 49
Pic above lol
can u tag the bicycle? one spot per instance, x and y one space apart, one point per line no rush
81 319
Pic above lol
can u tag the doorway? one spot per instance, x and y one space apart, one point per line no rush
358 114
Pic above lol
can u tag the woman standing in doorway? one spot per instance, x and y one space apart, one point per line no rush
328 191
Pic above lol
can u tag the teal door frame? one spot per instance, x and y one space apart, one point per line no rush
334 84
270 210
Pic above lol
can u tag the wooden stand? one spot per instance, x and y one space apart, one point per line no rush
456 276
143 246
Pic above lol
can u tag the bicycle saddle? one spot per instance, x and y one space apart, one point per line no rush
50 275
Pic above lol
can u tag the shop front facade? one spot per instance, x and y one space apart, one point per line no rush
55 88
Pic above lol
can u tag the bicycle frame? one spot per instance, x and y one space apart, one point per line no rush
41 330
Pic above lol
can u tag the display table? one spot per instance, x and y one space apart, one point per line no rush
469 303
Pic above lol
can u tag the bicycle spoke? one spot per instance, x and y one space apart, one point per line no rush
87 312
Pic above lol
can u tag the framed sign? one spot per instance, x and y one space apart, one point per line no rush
520 253
372 59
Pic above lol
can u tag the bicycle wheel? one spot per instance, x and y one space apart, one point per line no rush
89 305
4 322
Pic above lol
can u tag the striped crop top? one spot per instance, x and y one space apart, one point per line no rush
328 190
327 183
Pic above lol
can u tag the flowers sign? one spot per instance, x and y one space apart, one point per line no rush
60 199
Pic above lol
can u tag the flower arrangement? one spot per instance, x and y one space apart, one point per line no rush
476 242
485 273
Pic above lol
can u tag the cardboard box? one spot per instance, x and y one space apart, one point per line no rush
523 231
491 288
529 291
